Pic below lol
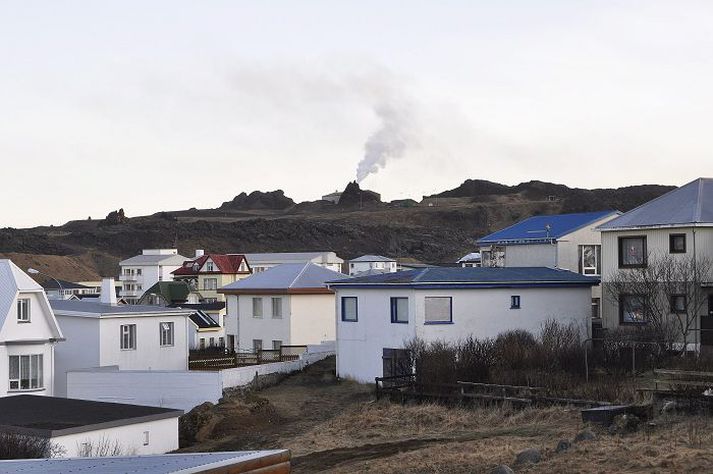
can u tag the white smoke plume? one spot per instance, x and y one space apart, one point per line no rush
395 135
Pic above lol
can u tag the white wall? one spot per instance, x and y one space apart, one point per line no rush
163 438
181 390
481 313
266 328
80 350
312 319
536 255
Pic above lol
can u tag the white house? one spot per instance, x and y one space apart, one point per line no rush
289 304
470 260
567 241
59 289
377 315
132 337
678 225
259 262
371 263
83 428
141 272
28 334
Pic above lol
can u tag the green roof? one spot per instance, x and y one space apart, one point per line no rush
171 291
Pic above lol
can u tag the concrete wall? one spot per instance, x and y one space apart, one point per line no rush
481 313
540 255
162 437
181 390
80 350
312 319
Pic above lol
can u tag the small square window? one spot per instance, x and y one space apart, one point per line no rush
678 304
677 243
632 252
515 302
632 309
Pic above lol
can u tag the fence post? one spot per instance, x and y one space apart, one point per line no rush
633 358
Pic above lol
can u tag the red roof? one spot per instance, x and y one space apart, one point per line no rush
228 264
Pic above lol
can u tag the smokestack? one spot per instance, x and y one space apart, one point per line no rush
108 292
200 253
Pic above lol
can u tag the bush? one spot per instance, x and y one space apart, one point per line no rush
18 446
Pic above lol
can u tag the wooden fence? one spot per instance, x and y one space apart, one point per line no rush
213 360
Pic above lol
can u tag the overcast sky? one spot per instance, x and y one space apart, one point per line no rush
161 105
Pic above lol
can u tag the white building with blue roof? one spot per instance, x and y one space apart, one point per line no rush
678 224
378 315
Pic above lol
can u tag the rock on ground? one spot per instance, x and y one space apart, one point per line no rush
528 456
585 435
563 446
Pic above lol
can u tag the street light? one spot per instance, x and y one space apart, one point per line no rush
34 271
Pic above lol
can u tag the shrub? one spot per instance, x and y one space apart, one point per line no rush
18 446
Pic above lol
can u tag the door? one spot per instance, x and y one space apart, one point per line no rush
396 362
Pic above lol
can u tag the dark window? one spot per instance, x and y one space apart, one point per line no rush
632 309
632 252
515 302
596 304
678 304
350 310
399 310
677 243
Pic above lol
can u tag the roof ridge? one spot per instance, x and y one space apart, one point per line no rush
304 269
697 217
421 274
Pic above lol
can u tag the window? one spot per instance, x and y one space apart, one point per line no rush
257 307
221 341
210 284
257 345
166 334
632 309
138 271
277 308
590 259
146 438
677 243
596 304
515 302
201 343
439 309
276 345
128 336
26 372
23 310
211 342
209 267
399 310
350 311
632 252
679 305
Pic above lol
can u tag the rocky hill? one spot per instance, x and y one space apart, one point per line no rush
438 229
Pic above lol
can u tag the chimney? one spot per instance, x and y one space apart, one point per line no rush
200 253
108 292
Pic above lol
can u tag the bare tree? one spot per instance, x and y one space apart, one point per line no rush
101 448
665 295
19 446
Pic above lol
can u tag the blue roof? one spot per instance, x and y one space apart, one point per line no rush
689 205
472 277
543 229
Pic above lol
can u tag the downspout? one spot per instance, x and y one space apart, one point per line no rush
695 272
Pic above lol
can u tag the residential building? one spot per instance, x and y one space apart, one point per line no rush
243 462
470 260
132 337
61 289
567 241
378 315
205 274
373 263
28 334
676 226
288 304
142 271
259 262
83 428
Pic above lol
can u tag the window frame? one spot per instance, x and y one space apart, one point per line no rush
35 367
515 302
342 302
257 347
450 307
24 314
273 300
171 333
620 246
672 238
621 311
214 284
597 260
254 301
394 301
673 308
131 335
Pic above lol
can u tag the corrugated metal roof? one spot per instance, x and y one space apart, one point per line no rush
472 276
288 276
292 257
372 258
159 464
98 309
539 229
154 260
203 320
690 204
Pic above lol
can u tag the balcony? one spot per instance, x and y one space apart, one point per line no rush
128 277
131 293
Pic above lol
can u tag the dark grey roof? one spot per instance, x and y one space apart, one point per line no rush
53 416
473 277
691 204
203 321
151 464
96 308
66 285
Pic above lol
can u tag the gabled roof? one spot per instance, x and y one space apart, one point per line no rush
225 264
372 258
172 292
543 229
140 260
689 205
286 278
471 277
292 257
13 281
471 257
